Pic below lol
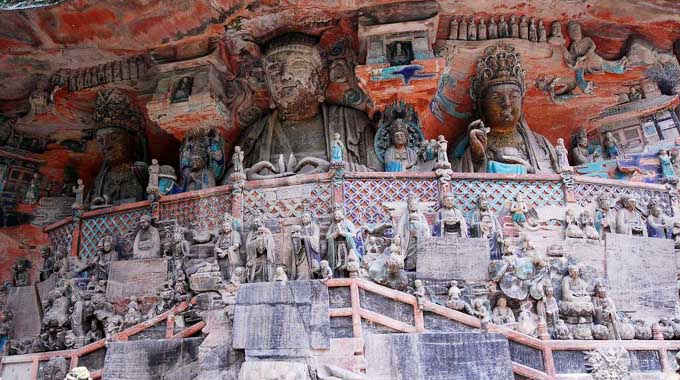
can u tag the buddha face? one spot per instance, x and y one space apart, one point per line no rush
115 145
294 83
399 139
502 107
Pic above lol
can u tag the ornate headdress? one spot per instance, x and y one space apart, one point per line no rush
500 64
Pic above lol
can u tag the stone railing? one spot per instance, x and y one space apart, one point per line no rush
27 367
532 358
362 195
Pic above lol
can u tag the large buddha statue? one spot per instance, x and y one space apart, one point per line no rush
302 123
501 142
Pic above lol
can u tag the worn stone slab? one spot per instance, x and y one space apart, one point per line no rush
273 370
590 254
151 359
281 316
438 356
141 278
642 275
449 258
16 371
23 301
45 287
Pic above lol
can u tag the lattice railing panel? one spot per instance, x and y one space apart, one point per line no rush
62 236
364 198
586 195
205 213
501 192
92 229
288 201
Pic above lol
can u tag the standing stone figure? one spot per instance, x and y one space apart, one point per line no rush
450 221
414 227
501 141
106 254
492 29
228 248
629 220
33 193
605 311
519 209
605 215
237 160
547 308
463 30
656 223
667 170
503 28
453 28
79 192
337 150
20 274
523 28
442 155
301 260
261 255
48 263
542 33
562 158
147 244
310 239
533 32
485 224
514 27
340 239
481 30
472 30
153 189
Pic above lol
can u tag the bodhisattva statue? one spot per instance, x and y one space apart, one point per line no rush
261 255
341 237
501 142
450 221
400 157
228 248
629 220
147 243
296 79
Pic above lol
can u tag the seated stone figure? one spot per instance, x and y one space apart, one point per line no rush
147 243
629 220
501 142
576 302
297 80
450 221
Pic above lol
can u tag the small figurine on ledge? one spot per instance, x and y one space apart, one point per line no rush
337 152
580 153
153 190
562 157
610 146
667 170
237 163
519 210
33 193
450 221
442 155
79 192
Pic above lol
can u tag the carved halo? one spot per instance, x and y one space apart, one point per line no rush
393 112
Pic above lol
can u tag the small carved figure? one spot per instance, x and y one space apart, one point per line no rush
610 146
526 321
442 156
32 195
664 326
147 242
20 272
414 226
514 27
450 221
588 225
605 311
237 160
472 30
481 30
667 170
280 274
642 330
542 34
502 314
183 90
523 28
574 289
556 37
133 316
106 254
573 229
340 239
533 32
580 153
325 271
480 311
261 254
605 215
562 331
453 28
400 53
79 192
337 150
485 224
48 263
463 30
301 267
629 220
503 31
562 158
421 294
455 301
492 29
547 308
153 189
656 223
228 248
519 209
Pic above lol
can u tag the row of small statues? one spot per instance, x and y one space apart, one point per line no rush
526 29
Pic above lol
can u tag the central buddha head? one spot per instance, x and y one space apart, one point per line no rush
295 76
498 88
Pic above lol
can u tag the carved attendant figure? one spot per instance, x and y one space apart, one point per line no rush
260 250
147 243
611 146
562 158
237 160
605 215
656 225
228 248
667 170
301 260
340 238
519 209
154 175
450 221
547 308
502 142
629 220
502 314
414 226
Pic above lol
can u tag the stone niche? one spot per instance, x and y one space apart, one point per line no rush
190 94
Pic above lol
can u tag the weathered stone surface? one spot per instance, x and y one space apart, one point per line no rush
590 254
569 361
440 356
526 355
282 315
152 359
16 371
444 259
23 301
642 275
44 287
271 370
139 278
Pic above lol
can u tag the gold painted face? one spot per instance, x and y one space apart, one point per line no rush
502 107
